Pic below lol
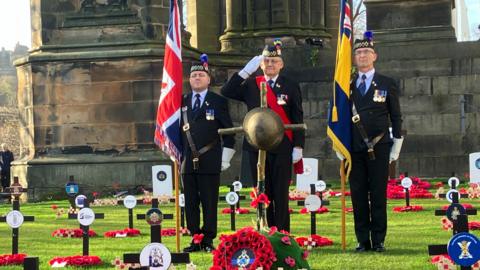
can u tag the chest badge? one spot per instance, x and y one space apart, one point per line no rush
210 114
380 95
282 99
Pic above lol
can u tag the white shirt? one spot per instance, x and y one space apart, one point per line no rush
368 81
202 97
274 79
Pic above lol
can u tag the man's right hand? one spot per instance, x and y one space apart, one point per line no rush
251 67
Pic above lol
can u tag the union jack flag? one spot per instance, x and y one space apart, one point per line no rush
167 131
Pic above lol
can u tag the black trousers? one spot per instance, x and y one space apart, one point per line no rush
368 186
201 188
278 173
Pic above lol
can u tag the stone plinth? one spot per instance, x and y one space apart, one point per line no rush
410 20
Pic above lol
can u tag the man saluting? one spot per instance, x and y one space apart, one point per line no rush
286 100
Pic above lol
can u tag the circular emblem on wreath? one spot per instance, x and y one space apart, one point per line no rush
243 258
245 249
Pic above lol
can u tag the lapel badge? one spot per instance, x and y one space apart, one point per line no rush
210 114
207 104
282 99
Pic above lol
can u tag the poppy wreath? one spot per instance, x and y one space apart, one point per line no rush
76 260
72 233
320 210
313 241
288 253
246 238
12 259
238 211
127 232
412 208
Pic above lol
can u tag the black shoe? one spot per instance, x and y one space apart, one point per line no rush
192 248
379 247
208 247
362 247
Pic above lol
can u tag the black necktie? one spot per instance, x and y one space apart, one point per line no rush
271 83
362 87
196 105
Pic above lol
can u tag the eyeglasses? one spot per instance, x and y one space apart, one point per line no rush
271 61
360 52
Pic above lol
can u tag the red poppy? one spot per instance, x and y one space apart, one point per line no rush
198 238
12 259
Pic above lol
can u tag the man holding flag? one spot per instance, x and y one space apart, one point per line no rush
370 103
186 130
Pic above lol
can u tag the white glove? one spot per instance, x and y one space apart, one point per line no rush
396 147
339 156
227 155
297 154
251 66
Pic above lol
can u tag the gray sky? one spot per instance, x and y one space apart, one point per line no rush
15 22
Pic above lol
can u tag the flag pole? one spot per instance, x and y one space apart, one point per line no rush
177 205
343 180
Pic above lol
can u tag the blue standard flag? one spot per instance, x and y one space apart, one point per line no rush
339 114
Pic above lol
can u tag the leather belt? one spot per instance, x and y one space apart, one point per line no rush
196 154
370 143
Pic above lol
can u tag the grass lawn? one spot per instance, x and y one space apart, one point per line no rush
409 235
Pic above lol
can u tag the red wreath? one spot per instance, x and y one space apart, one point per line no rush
412 208
244 238
11 259
465 205
128 232
314 241
239 211
77 260
72 233
320 210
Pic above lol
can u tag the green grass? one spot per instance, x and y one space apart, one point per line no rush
409 235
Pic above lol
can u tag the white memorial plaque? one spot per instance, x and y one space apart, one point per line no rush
130 201
80 201
474 167
237 186
181 200
313 203
86 216
14 219
156 256
449 195
452 181
406 182
309 176
231 198
320 185
162 180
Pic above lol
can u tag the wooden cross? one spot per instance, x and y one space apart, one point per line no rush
85 236
459 225
130 212
156 237
15 191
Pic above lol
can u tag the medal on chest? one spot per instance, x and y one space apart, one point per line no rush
210 114
282 99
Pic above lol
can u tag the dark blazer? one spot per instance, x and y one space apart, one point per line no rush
247 91
205 131
377 116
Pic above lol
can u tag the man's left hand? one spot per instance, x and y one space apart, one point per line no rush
297 154
396 147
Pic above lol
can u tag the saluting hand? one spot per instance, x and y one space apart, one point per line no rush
251 66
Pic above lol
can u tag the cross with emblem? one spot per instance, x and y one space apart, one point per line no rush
233 199
154 218
458 215
85 216
130 202
15 219
263 129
